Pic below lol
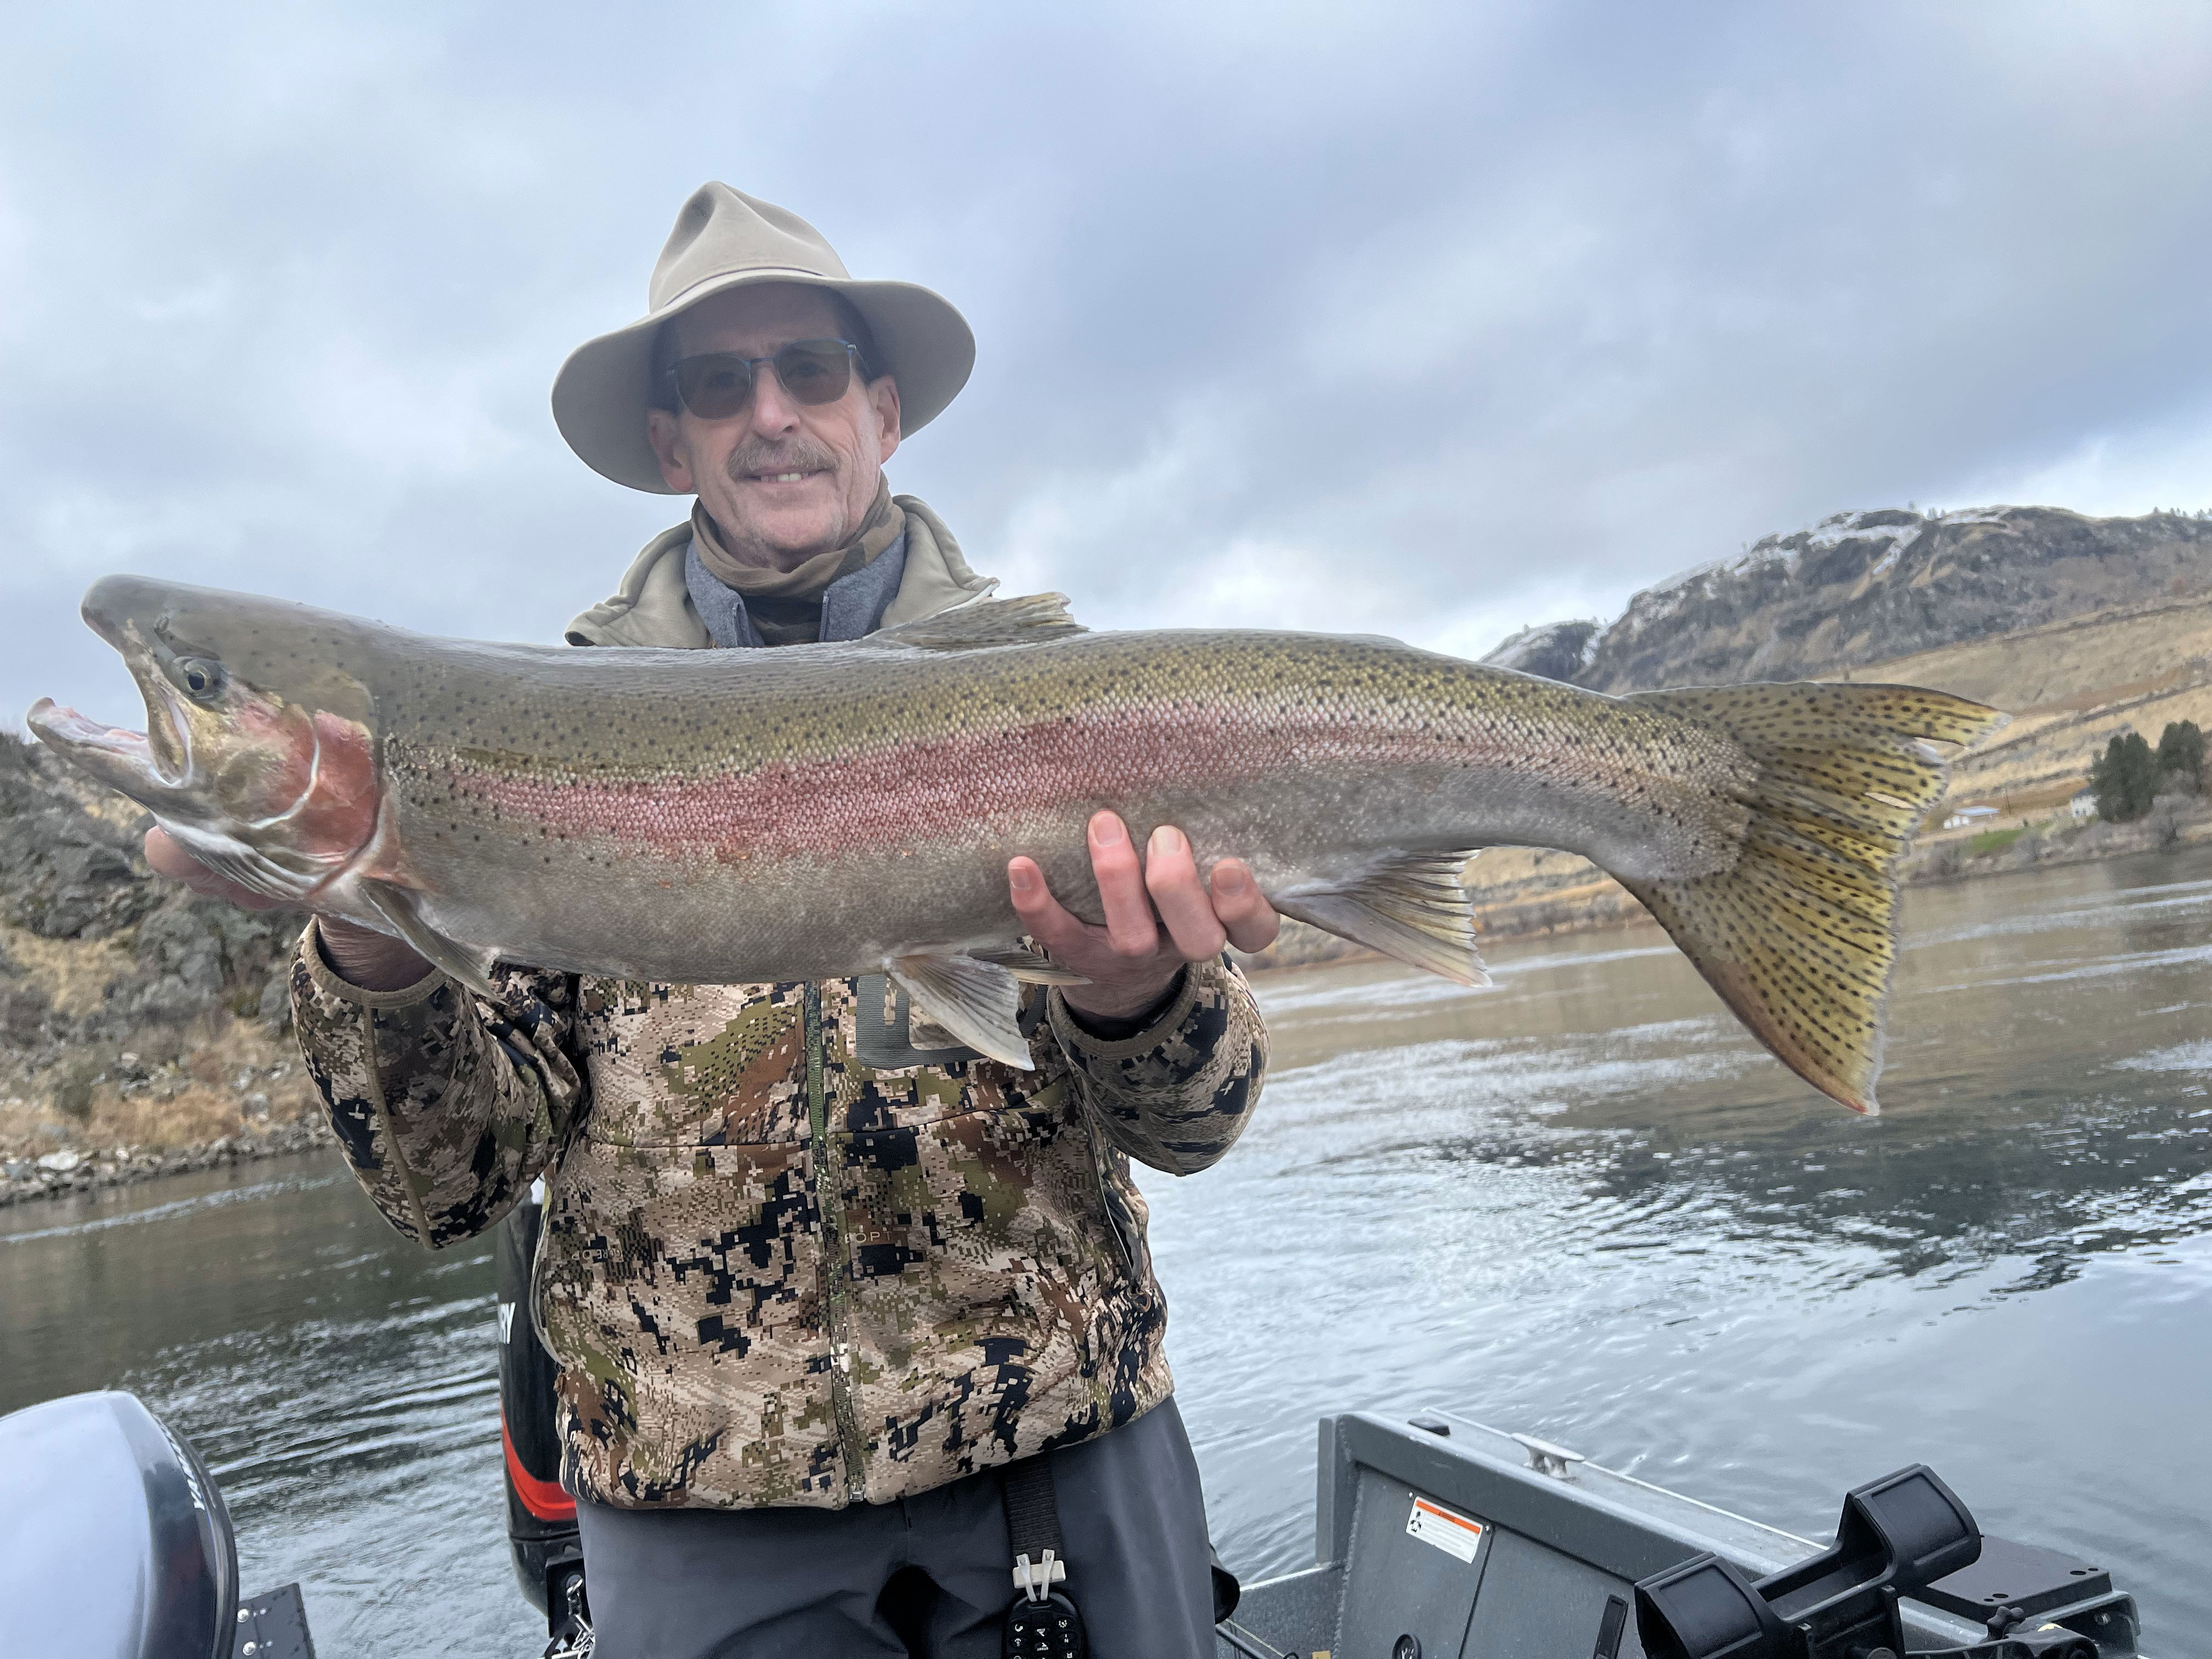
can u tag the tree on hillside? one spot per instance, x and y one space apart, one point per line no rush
2125 778
2181 754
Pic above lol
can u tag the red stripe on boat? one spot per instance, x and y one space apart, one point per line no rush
543 1499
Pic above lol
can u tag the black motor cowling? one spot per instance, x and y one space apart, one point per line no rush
541 1518
114 1544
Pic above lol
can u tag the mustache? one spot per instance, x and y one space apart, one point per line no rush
796 456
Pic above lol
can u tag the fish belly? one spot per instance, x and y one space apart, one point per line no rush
603 901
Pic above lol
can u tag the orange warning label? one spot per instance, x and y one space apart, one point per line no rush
1455 1534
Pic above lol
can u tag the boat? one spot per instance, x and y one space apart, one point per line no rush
1442 1537
1437 1537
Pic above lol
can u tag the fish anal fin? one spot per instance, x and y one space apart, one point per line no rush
1031 966
1026 620
396 905
978 1002
1412 906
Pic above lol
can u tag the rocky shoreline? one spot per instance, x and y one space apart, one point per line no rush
2174 821
68 1172
1572 907
143 1031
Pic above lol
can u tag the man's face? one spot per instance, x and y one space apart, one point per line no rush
741 468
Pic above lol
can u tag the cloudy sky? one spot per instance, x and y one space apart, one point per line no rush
1427 320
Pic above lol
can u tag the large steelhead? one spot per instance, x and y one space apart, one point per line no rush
811 812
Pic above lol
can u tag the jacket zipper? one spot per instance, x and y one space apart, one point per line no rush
541 1193
1121 1243
828 1197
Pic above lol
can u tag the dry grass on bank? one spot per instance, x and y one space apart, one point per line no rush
72 974
221 1077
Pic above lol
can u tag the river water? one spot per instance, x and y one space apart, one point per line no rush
1580 1203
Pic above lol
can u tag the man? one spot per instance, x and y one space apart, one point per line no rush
815 1282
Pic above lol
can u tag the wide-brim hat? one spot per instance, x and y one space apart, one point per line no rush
725 239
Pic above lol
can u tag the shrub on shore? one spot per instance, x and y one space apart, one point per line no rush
2129 774
2125 778
2181 754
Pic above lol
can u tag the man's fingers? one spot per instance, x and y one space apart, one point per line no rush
1129 926
1171 877
1251 921
1043 917
170 860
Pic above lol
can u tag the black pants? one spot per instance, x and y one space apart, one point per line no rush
930 1575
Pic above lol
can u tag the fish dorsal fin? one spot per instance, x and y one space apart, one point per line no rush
979 1003
472 969
1027 621
1412 905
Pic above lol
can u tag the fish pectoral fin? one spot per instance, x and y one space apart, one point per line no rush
1025 621
978 1002
471 968
1414 907
1031 966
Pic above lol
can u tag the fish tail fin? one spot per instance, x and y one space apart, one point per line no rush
1800 936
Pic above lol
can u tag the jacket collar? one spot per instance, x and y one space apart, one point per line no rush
653 606
851 606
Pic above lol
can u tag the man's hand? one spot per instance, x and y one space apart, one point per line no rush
1159 917
169 859
361 956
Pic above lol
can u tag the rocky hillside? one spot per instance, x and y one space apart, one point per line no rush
140 1027
2078 627
2068 686
1865 587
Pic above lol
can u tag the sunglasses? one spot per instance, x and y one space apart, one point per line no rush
716 385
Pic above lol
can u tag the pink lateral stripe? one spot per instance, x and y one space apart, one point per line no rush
936 790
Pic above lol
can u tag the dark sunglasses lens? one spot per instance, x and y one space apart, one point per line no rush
714 386
815 371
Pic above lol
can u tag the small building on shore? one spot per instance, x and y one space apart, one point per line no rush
2083 805
1966 816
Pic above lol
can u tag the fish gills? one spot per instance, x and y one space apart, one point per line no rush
1799 937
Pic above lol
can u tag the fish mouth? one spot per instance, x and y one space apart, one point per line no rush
155 763
64 728
135 763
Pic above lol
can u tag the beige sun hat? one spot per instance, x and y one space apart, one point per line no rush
725 239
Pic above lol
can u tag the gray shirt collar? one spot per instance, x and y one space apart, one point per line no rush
851 606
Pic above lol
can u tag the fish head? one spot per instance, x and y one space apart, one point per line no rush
259 752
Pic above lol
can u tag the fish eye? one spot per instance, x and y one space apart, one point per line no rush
201 677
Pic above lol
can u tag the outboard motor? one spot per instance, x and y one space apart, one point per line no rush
541 1517
115 1544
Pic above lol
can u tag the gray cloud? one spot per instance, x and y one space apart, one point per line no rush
1425 319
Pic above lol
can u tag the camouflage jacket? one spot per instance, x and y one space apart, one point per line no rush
788 1257
772 1272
